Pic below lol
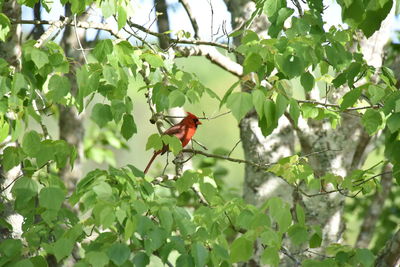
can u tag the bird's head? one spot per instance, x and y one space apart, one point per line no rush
193 119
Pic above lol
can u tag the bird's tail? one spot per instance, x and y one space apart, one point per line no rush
151 161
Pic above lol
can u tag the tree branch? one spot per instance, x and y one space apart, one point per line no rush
192 18
80 24
59 24
213 55
336 105
194 151
390 254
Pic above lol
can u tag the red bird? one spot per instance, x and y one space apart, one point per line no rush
184 131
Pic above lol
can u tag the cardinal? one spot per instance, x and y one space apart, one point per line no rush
184 131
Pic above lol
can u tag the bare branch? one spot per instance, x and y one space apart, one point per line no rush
192 18
336 105
178 41
80 24
78 39
193 151
213 55
57 25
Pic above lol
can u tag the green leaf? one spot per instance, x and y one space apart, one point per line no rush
4 130
59 87
290 65
24 189
307 81
252 63
122 16
280 212
128 128
298 234
281 104
156 238
396 172
372 120
24 263
97 258
186 181
118 253
375 13
258 101
176 99
154 60
350 98
228 93
129 229
118 109
110 75
101 114
270 113
239 103
141 259
11 247
294 111
5 26
315 241
200 254
270 238
376 93
39 57
31 143
270 256
12 156
309 111
46 153
103 191
102 49
241 250
273 6
62 248
185 260
393 122
174 144
365 256
166 219
301 216
154 141
51 198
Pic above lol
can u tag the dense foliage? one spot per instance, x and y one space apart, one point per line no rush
119 216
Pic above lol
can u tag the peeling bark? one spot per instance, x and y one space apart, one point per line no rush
390 255
345 146
11 52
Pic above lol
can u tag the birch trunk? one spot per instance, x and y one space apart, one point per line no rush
344 147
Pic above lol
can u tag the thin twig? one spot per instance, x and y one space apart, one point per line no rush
69 22
194 151
237 143
79 40
192 18
336 105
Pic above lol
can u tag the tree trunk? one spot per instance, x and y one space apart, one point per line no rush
344 147
11 52
70 121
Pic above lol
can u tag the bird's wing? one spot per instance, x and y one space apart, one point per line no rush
177 130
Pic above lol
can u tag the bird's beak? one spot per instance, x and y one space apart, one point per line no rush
198 122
